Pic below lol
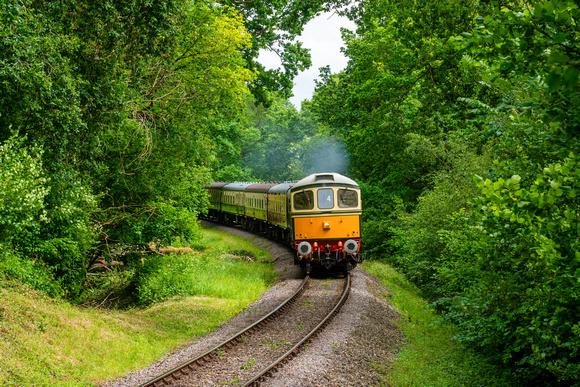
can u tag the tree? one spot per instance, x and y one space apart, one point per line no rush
273 138
403 78
124 98
274 26
465 84
524 244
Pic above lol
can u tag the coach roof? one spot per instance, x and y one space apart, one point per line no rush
281 188
260 187
216 185
237 186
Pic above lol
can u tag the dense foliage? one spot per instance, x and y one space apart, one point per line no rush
112 114
473 109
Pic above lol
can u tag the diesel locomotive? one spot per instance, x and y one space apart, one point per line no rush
319 216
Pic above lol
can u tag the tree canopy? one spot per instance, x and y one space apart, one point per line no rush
120 101
462 122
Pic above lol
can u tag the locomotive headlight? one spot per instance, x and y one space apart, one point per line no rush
350 246
304 248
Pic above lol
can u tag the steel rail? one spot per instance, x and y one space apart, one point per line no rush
282 359
173 374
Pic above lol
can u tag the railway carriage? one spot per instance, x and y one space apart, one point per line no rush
319 216
233 202
214 192
279 211
257 206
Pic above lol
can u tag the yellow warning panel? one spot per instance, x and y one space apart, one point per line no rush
327 227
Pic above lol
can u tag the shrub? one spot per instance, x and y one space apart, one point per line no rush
23 187
509 274
32 273
43 221
417 245
66 241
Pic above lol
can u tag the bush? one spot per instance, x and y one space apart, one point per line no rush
167 222
44 221
519 299
416 243
32 273
66 242
506 273
23 187
170 204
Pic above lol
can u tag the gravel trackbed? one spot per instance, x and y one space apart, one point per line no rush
362 338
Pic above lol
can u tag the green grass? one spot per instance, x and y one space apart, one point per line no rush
429 357
47 342
209 274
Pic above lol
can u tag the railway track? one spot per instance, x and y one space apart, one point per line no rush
252 355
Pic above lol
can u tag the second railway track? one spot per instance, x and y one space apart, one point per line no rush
252 355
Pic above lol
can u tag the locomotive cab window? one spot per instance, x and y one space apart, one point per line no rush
304 200
325 198
347 198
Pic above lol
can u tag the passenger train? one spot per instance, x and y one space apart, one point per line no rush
319 216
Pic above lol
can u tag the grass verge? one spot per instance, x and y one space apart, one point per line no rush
47 342
430 356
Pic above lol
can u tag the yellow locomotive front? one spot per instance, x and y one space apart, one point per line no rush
325 216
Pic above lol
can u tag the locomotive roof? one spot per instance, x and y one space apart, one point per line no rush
322 179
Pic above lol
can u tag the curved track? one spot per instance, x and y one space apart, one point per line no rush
188 370
170 376
267 372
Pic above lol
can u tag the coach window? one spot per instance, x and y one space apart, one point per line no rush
347 198
304 200
325 198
